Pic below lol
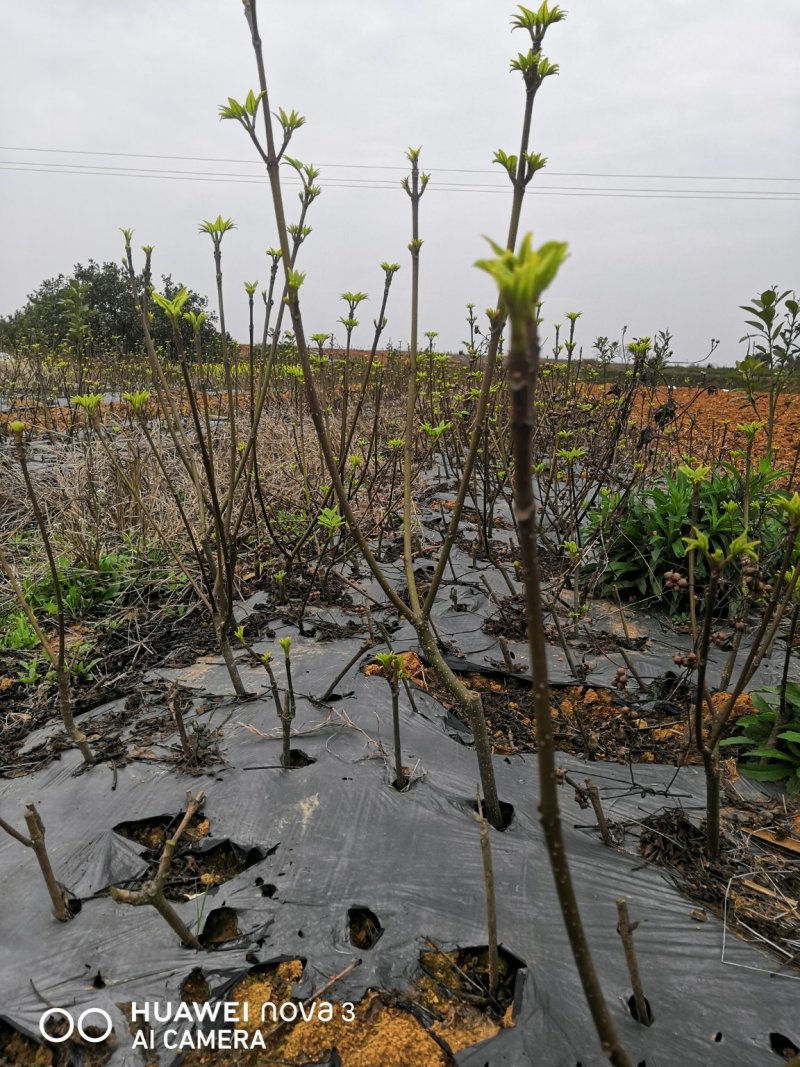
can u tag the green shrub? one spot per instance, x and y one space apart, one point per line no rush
645 540
761 761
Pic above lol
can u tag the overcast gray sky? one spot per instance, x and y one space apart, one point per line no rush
707 90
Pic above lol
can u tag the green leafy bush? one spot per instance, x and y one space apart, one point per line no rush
645 540
761 761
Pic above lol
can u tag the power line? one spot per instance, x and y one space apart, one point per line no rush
344 184
396 166
76 168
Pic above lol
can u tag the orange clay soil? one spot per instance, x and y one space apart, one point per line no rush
705 421
381 1034
384 1033
702 420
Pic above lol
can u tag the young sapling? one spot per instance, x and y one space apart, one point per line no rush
393 670
521 279
283 708
288 710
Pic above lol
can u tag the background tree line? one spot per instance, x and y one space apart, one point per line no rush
92 313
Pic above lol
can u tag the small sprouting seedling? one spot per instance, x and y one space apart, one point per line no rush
89 402
279 577
137 400
393 669
330 519
265 659
433 433
287 712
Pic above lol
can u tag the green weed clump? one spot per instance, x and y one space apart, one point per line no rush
770 738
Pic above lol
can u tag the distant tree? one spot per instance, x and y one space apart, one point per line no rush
92 312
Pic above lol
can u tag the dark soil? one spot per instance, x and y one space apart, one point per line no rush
194 868
596 724
755 883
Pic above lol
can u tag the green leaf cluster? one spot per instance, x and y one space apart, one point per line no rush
760 761
647 535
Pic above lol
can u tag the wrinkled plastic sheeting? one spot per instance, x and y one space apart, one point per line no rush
346 838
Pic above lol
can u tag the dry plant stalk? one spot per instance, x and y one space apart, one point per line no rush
491 904
176 707
585 795
58 894
152 892
602 824
625 930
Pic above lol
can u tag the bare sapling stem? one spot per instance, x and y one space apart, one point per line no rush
59 896
594 799
287 713
400 775
491 904
589 794
782 716
562 640
414 187
365 647
175 705
152 892
284 709
625 930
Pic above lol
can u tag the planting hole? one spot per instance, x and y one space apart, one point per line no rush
221 925
408 784
506 813
194 988
364 926
199 863
271 982
782 1045
462 975
298 758
635 1013
153 832
718 1036
19 1049
268 889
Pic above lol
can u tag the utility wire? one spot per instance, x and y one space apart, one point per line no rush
370 182
61 169
395 166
